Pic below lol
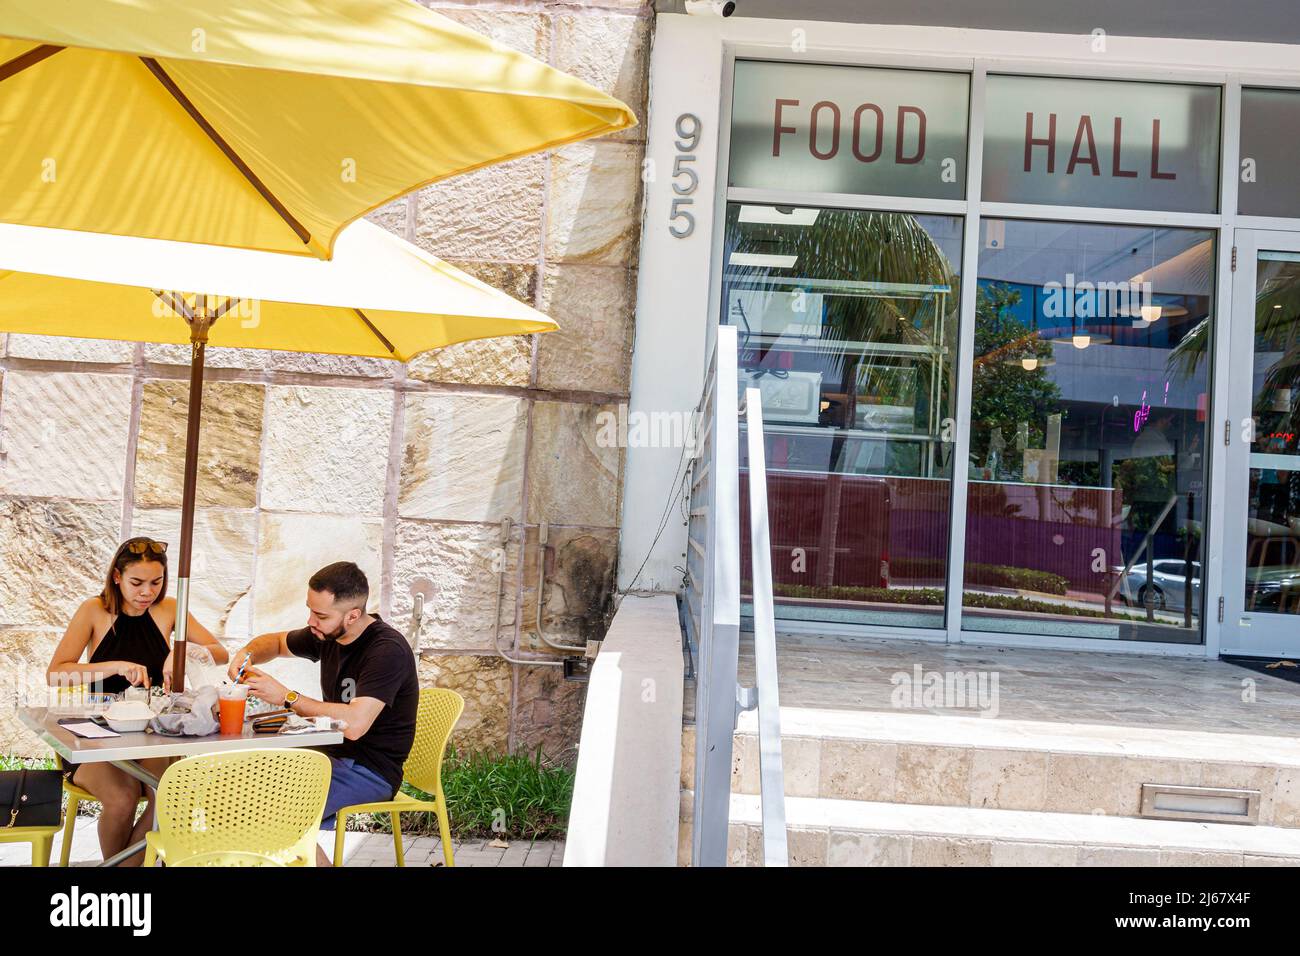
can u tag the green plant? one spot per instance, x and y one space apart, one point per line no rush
934 596
513 796
989 575
15 762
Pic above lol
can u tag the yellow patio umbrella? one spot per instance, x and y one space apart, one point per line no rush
379 296
260 124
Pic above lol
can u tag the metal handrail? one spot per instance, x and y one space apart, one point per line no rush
712 599
763 695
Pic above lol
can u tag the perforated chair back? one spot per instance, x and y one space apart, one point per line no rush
438 713
267 802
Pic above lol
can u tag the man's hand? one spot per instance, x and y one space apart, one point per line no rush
236 661
265 687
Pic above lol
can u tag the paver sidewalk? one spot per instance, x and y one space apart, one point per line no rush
359 849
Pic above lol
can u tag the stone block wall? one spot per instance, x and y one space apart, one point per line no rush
407 469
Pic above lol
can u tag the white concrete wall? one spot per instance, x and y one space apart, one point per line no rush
672 302
626 796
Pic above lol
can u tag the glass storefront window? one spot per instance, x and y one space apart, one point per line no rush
847 325
1270 126
1273 500
1089 439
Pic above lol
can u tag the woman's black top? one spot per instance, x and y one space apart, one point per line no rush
135 639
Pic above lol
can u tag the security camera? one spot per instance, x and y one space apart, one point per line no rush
710 8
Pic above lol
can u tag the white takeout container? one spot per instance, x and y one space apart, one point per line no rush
128 716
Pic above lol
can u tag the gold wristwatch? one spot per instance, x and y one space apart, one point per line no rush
291 698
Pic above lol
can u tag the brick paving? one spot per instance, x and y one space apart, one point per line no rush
359 849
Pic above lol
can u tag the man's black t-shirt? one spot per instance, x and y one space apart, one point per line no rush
378 664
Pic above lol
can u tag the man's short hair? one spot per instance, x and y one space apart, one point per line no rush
345 581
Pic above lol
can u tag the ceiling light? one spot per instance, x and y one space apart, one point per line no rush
779 215
1030 362
762 260
1081 338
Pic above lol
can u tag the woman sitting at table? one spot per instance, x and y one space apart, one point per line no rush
126 629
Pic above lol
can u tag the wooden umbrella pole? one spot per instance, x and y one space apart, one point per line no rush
199 325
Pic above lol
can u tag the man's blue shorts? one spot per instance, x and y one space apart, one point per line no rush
352 783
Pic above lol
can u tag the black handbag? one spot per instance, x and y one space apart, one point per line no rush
31 798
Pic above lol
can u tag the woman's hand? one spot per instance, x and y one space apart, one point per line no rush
167 672
137 674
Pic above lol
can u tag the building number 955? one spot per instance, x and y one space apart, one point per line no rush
685 181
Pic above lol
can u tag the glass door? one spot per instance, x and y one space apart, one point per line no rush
1261 564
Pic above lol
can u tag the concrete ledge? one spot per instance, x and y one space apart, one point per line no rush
626 795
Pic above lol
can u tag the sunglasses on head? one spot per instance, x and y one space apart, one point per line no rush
146 546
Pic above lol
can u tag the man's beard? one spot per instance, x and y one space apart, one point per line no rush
334 635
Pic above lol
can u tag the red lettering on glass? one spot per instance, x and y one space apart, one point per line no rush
1085 128
778 129
1114 156
899 158
1155 154
857 133
1049 142
835 130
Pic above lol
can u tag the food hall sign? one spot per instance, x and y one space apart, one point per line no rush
845 129
1047 140
1101 143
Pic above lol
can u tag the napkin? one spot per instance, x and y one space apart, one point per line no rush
189 714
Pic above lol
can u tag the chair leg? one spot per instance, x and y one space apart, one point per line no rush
41 849
397 837
444 830
340 828
69 825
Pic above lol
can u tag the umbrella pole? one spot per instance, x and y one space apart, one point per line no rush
199 325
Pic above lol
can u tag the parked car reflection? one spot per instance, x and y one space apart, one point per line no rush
1167 588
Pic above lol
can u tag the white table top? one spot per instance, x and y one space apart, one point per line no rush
142 746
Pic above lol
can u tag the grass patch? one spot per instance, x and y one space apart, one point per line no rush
513 796
14 762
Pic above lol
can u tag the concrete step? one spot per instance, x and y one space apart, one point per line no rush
967 761
829 832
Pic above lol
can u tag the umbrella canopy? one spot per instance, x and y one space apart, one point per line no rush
379 296
262 124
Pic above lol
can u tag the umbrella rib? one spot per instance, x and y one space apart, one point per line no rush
170 86
175 303
24 60
379 335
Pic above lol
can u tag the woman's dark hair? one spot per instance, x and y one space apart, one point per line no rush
345 581
130 552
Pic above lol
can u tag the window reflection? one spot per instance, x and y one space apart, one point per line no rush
1088 431
847 324
1273 518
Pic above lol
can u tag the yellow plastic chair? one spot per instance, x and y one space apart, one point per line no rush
438 713
76 797
267 802
41 839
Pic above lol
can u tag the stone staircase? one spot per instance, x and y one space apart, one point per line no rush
900 788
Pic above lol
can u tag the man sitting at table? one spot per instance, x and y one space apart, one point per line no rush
368 679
